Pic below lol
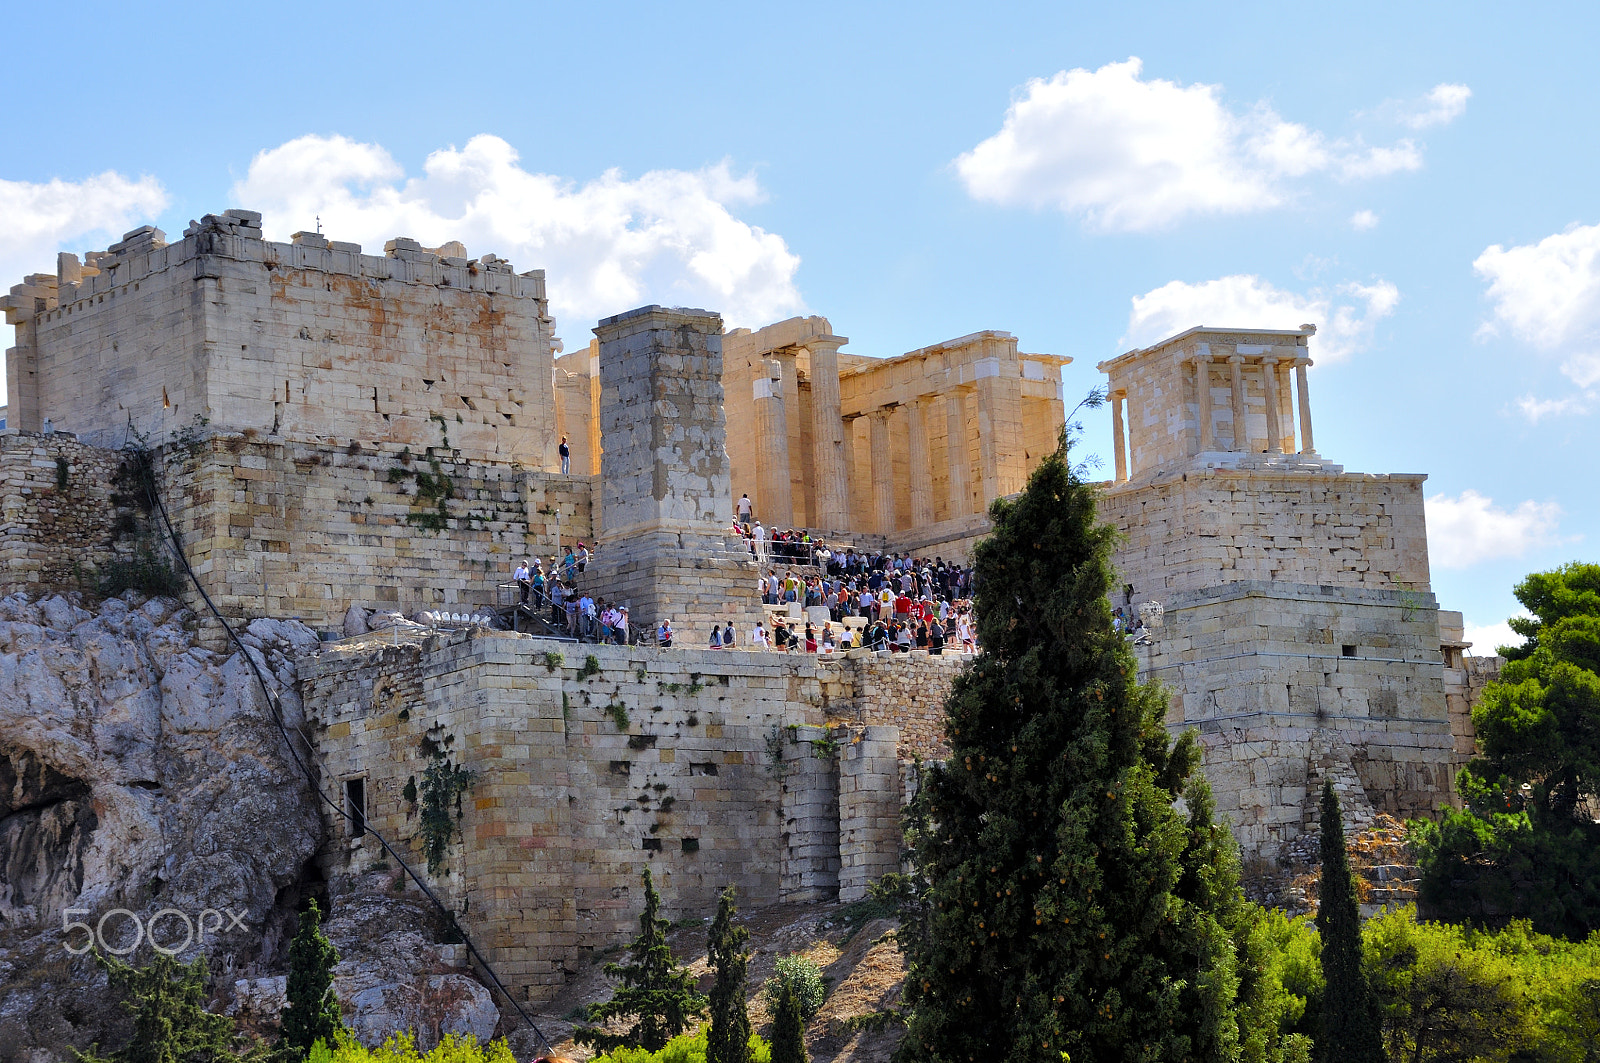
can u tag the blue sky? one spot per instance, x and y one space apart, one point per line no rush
1418 179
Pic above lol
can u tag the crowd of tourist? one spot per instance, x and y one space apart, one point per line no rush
883 601
572 610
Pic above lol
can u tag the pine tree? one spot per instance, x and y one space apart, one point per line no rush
167 1000
1069 907
729 1038
788 1029
311 1012
1352 1031
655 990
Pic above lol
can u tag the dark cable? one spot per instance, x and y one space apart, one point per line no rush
148 473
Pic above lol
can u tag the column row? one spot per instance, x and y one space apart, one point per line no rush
921 460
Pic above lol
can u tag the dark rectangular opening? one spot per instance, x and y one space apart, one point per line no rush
1348 651
652 844
355 806
691 845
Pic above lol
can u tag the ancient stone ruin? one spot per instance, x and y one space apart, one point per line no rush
340 437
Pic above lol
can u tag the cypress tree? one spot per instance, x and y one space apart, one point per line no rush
311 1011
1069 906
1352 1031
167 1000
656 991
729 1038
788 1028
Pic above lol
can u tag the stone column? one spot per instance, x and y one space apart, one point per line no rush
666 500
921 465
882 472
774 488
956 454
1241 433
1307 446
852 521
1119 444
1269 380
830 499
1202 379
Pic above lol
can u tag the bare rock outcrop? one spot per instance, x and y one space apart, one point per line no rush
141 774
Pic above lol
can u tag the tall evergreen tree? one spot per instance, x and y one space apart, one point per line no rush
788 1028
311 1011
729 1038
167 1000
656 992
1352 1031
1069 905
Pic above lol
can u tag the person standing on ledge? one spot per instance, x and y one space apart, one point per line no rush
566 457
524 578
744 509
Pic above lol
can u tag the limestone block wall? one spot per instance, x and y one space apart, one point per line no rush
1195 529
61 511
297 529
870 794
1261 669
310 340
593 762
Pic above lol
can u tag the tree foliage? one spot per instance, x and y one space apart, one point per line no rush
1526 845
1351 1029
729 1035
656 992
1069 907
167 1000
311 1011
801 974
788 1027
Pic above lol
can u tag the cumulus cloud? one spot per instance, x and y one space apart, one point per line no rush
1547 295
608 244
1470 528
1362 220
1346 315
1441 106
49 216
1125 153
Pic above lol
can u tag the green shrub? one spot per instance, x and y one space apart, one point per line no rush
686 1048
803 973
400 1048
145 572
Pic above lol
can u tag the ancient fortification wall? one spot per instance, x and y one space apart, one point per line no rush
61 511
311 341
594 762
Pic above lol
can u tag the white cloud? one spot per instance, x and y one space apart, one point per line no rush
1126 153
1486 637
1547 295
1362 220
608 245
43 218
1470 528
1537 409
1346 315
1441 106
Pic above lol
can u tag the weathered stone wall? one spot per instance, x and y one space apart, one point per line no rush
1266 671
311 341
711 768
1203 527
296 529
61 512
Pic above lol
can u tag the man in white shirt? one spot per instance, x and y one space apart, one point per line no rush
761 543
744 509
524 577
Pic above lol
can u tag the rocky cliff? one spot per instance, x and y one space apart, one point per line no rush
147 795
